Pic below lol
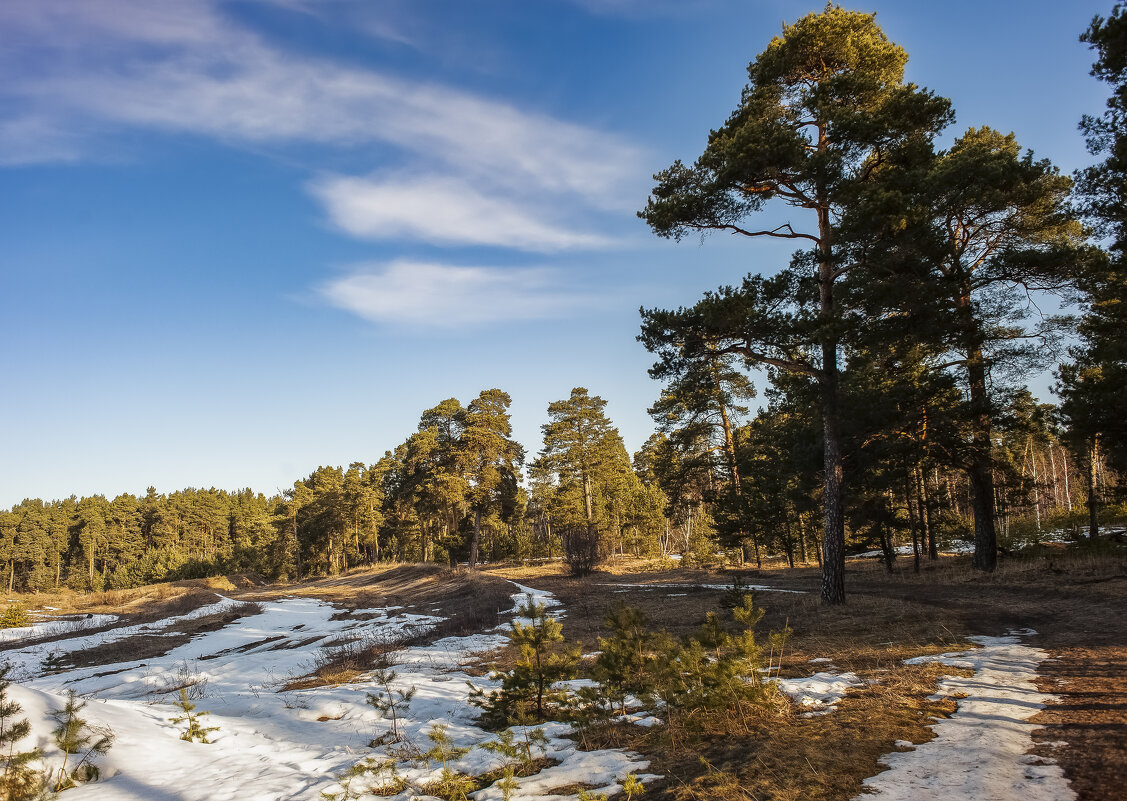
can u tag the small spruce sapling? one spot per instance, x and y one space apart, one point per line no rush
735 595
195 732
507 745
76 738
15 616
384 779
450 785
18 780
527 690
625 665
53 661
507 784
389 701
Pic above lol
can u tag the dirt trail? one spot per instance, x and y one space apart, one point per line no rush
1083 628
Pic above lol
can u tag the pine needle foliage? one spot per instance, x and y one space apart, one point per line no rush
389 701
632 787
521 750
507 784
450 785
627 662
15 617
382 775
720 668
195 732
78 739
527 690
19 781
443 749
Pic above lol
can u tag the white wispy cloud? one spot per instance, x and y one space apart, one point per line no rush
445 296
471 170
442 210
183 66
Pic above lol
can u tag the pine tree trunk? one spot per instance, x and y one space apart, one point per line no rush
590 513
788 541
913 525
1067 491
1093 496
476 541
833 547
981 465
929 523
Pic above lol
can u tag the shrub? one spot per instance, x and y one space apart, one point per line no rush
384 779
581 549
195 732
386 700
713 670
15 617
626 664
527 690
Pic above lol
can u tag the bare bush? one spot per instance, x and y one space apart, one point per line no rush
581 549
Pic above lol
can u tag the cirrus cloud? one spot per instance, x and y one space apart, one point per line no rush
441 210
447 296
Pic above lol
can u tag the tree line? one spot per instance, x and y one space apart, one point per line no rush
453 491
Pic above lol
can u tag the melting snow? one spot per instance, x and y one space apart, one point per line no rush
49 628
980 752
277 745
819 693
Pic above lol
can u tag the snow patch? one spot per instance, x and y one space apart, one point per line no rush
980 751
51 628
820 693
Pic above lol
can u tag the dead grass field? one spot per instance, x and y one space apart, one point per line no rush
1074 600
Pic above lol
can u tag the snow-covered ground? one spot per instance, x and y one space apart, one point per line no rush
906 550
49 627
274 744
626 587
979 752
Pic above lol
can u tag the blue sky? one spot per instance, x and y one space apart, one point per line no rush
239 240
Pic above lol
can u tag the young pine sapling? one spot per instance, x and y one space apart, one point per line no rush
195 732
388 701
76 738
18 780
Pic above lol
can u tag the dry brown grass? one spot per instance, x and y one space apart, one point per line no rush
1074 597
729 757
